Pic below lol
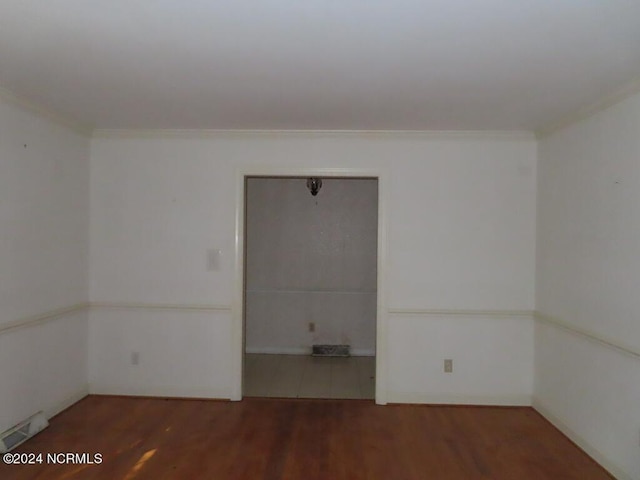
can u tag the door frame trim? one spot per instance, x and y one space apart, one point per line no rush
237 309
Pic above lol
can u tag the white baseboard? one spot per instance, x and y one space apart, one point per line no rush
279 350
580 441
161 391
459 399
67 402
356 352
362 352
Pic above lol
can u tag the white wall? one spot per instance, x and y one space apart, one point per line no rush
461 228
588 272
44 206
179 351
461 262
311 259
492 358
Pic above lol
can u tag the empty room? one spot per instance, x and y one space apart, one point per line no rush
311 253
313 240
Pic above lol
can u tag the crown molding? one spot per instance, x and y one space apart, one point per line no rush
603 103
191 134
44 112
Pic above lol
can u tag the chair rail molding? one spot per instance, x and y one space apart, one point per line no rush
588 334
39 319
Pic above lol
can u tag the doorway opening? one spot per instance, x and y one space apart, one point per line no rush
310 286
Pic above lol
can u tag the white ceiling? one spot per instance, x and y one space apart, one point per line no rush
318 64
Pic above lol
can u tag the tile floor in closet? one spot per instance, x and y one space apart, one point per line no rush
304 376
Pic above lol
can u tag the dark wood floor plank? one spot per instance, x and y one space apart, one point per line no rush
270 439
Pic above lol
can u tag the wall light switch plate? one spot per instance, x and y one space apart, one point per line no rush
213 259
448 365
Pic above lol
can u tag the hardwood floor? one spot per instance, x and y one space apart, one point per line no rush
150 438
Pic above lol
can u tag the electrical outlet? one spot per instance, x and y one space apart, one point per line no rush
312 327
448 365
135 358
